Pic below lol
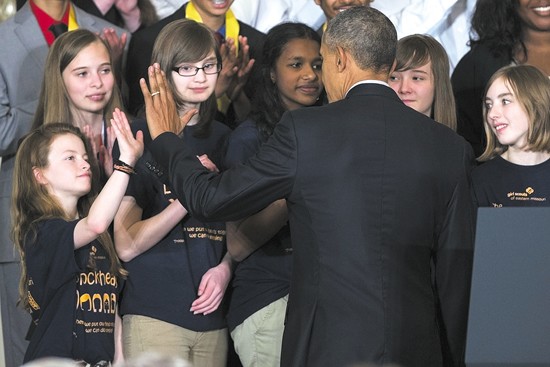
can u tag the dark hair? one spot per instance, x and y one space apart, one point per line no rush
267 105
367 34
497 24
181 41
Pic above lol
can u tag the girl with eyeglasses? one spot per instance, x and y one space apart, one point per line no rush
179 269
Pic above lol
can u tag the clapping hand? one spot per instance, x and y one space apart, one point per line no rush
130 148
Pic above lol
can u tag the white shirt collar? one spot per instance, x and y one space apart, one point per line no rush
367 82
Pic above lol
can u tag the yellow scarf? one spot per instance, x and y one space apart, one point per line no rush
231 31
231 23
72 19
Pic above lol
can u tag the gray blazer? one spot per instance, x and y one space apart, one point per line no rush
21 69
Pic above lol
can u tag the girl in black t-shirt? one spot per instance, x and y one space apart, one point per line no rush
290 78
516 171
70 277
172 302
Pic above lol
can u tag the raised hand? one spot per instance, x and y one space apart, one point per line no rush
130 148
106 152
244 66
116 43
160 108
228 53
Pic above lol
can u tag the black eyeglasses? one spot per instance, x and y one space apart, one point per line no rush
188 70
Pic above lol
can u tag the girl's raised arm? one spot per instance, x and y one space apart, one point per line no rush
106 204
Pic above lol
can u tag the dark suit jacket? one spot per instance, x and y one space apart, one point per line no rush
382 227
141 48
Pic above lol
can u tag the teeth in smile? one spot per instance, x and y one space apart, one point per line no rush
500 127
542 8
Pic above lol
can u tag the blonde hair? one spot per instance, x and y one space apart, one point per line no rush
417 50
531 88
32 203
54 103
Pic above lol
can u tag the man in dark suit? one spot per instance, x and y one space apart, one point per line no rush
379 204
214 17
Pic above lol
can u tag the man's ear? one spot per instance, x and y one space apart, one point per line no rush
39 176
341 58
318 2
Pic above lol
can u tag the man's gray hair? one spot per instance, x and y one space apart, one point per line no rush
367 34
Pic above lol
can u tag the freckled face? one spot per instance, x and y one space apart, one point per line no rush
67 175
505 116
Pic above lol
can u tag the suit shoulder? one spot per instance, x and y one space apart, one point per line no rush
220 128
149 34
249 31
256 40
19 18
93 23
6 27
492 166
479 57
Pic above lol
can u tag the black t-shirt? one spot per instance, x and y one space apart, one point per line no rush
164 280
500 183
264 276
73 305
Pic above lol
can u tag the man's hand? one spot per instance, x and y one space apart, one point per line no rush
160 107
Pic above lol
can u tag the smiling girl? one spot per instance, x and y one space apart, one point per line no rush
80 87
516 171
290 78
70 277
